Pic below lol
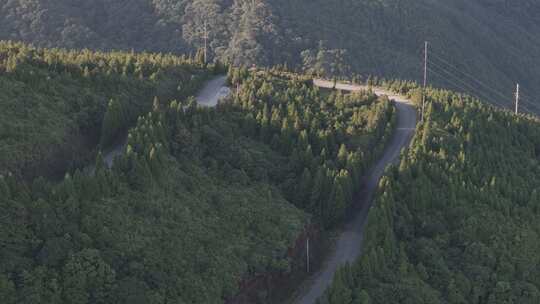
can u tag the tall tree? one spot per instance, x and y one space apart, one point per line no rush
205 19
255 34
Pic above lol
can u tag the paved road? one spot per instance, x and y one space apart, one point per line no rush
209 96
214 90
114 151
349 244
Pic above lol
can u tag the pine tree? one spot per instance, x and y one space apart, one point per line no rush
342 156
113 122
7 290
100 163
319 186
339 292
155 105
336 204
304 188
361 297
5 193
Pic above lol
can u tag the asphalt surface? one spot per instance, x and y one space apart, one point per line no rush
349 244
211 93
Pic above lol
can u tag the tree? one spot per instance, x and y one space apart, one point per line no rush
113 122
87 278
331 63
5 192
342 156
205 18
7 290
339 292
255 38
361 296
100 163
304 188
40 285
337 203
318 190
156 105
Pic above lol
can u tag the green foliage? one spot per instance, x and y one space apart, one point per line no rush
325 62
169 222
57 104
497 41
200 200
457 221
330 138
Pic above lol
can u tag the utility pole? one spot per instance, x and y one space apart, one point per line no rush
205 37
307 254
425 79
517 98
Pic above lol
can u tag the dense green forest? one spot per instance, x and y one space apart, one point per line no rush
330 138
57 105
457 220
201 200
495 41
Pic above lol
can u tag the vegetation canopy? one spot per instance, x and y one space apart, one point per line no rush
457 220
201 199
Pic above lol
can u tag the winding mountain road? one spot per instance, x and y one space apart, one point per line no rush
349 244
208 96
213 91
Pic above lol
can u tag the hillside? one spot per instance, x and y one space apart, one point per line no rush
58 105
216 204
495 41
201 201
457 220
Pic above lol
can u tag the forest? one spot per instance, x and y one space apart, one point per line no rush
330 138
457 221
496 42
58 105
201 199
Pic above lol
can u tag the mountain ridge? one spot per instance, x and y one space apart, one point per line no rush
496 41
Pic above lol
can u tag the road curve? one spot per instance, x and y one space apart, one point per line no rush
209 95
349 244
213 91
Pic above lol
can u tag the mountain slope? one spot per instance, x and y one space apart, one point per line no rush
457 220
200 202
57 105
348 246
495 44
495 41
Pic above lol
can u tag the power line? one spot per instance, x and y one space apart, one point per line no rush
474 90
327 27
454 84
467 88
473 94
445 62
528 102
523 98
425 79
434 55
517 99
476 94
205 37
527 109
470 86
